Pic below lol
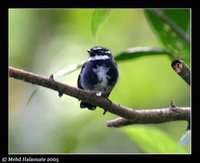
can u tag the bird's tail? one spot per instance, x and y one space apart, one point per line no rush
86 105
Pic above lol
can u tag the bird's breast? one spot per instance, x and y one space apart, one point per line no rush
102 77
96 76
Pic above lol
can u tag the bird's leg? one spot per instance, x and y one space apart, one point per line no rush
106 97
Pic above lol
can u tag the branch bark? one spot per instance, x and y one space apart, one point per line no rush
148 116
129 115
182 70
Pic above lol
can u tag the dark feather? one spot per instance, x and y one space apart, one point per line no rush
84 104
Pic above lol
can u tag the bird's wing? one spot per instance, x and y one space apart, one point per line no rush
79 77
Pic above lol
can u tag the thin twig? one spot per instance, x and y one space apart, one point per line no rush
140 116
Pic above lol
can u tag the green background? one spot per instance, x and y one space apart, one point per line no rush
45 41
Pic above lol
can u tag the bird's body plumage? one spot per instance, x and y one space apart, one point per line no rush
99 74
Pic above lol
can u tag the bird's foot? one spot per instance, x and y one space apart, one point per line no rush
104 112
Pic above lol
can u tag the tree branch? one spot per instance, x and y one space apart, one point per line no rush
153 116
136 116
182 70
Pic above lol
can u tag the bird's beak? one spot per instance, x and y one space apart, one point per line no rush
89 51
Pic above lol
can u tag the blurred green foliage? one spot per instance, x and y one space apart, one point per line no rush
98 17
153 140
45 41
170 39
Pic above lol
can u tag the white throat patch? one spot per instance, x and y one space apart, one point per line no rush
97 57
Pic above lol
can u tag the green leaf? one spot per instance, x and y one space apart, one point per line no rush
153 140
139 52
175 16
98 18
174 37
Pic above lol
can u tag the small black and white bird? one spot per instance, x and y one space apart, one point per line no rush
99 74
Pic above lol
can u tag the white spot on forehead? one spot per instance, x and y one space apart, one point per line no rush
104 49
98 57
97 48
